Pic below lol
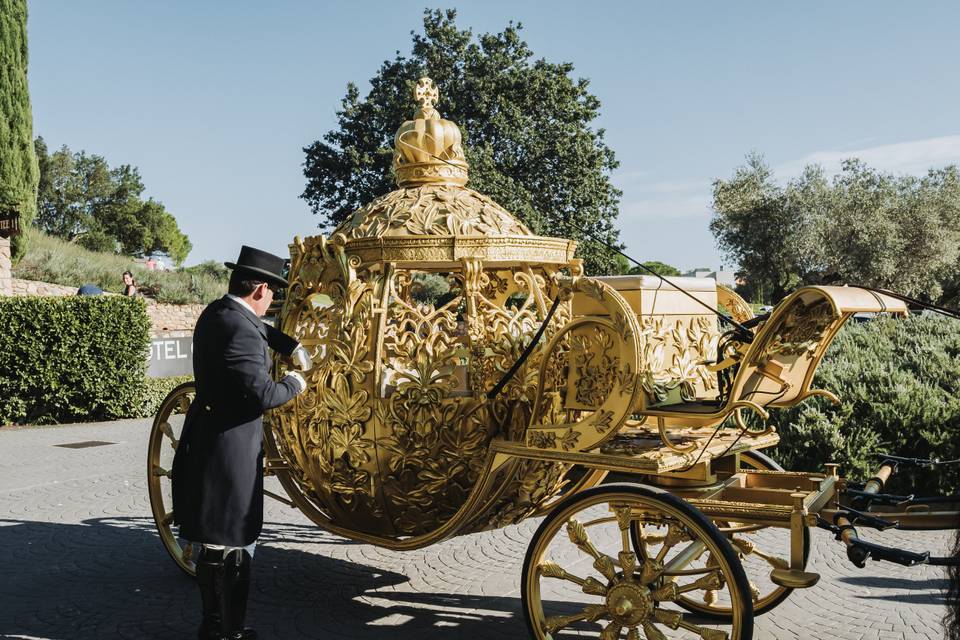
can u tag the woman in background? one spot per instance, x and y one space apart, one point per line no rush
129 284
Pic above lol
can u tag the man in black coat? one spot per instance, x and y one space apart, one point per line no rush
218 466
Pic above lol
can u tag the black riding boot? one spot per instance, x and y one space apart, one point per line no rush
233 598
210 577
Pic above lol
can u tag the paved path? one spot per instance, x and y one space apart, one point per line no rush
79 558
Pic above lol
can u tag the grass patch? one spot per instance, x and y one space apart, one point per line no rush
51 259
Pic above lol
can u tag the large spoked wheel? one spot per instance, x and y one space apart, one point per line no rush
582 576
761 549
164 438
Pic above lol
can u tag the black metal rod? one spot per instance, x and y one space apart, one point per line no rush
493 393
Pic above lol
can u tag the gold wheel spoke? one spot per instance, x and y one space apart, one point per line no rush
652 632
633 634
671 619
591 613
601 562
748 547
710 582
160 472
611 631
703 632
188 552
167 430
167 519
653 568
754 591
674 536
184 403
628 559
588 585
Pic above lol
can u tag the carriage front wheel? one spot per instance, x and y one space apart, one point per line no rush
164 438
582 576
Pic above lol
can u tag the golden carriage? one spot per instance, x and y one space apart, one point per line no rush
517 389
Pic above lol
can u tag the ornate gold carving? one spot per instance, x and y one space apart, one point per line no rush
691 344
392 436
736 306
803 328
431 210
596 365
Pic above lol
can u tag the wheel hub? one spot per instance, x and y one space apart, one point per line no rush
629 604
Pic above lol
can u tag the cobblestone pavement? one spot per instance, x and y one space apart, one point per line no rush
80 559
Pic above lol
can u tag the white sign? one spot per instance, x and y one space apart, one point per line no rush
170 357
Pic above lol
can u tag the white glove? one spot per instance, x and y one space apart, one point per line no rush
301 358
301 383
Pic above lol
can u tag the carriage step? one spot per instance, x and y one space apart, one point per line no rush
794 578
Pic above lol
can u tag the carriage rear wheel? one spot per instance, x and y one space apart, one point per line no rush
581 569
164 438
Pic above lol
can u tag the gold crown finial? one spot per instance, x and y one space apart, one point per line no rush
428 149
426 94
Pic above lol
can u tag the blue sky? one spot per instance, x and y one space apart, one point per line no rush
214 101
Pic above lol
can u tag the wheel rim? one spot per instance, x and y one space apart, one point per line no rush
164 436
761 549
581 570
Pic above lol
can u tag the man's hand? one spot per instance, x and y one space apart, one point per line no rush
298 379
301 358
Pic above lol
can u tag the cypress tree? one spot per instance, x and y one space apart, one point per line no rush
18 162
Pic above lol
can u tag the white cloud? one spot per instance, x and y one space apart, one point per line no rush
914 157
686 200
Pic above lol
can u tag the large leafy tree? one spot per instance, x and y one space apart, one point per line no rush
526 124
81 198
18 165
861 226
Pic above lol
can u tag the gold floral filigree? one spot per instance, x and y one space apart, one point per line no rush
690 344
802 329
431 210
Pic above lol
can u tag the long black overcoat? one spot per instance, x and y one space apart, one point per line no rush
218 466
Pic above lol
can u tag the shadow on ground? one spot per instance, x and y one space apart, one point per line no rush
111 578
925 590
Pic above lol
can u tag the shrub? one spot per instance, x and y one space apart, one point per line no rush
898 380
72 358
154 391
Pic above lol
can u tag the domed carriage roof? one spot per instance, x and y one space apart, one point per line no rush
433 217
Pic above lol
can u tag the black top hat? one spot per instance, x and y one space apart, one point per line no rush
260 265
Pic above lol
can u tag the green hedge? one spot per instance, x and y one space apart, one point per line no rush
72 359
899 383
155 390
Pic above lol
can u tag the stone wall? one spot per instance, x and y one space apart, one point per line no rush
34 288
165 318
6 285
